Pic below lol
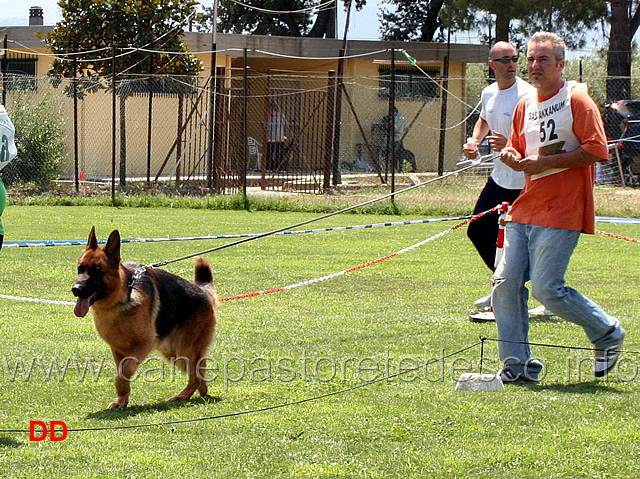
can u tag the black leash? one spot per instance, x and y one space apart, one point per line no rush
481 160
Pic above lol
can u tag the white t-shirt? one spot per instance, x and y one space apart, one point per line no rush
276 127
497 110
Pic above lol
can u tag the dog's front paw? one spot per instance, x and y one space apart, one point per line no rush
119 404
179 397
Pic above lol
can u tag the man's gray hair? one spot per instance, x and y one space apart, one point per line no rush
555 39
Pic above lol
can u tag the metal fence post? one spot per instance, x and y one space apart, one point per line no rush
5 67
443 116
219 128
331 97
75 122
245 119
113 124
149 118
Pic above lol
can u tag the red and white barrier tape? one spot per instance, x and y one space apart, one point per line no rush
613 235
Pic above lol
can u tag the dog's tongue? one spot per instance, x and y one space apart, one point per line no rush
82 307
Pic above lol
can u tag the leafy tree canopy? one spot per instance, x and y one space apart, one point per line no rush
515 20
93 26
258 17
413 20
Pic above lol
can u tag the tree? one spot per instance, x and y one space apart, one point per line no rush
426 20
288 18
572 19
412 20
89 28
504 14
40 140
624 22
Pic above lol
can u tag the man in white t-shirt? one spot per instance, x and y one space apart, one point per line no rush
504 184
277 130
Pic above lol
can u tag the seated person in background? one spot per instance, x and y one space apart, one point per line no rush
400 130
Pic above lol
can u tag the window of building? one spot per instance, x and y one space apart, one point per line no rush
21 73
411 83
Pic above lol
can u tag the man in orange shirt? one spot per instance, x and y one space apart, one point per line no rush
557 137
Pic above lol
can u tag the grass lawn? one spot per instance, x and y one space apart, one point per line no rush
310 341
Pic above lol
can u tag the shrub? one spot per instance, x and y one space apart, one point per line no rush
40 139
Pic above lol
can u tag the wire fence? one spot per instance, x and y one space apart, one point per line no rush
280 130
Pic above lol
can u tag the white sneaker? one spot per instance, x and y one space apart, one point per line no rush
484 302
482 316
540 311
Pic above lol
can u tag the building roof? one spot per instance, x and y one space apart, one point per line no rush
20 37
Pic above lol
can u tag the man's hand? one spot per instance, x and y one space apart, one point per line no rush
497 141
470 148
532 165
511 158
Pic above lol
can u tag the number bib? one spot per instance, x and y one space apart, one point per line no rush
548 126
8 149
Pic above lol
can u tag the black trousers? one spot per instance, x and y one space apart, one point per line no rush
276 151
1 240
483 232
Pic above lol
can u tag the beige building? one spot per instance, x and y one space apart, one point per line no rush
280 68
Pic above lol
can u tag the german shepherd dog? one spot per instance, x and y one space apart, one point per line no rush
138 309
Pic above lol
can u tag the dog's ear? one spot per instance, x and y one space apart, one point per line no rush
92 243
112 249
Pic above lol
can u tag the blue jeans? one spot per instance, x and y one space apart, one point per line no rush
541 255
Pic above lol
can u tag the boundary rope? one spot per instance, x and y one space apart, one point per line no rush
302 283
550 345
83 242
312 398
468 219
613 235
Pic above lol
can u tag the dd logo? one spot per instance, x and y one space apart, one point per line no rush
41 435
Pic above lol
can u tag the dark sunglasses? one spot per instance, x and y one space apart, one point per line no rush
507 60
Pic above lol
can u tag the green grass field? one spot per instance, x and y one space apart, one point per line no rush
307 342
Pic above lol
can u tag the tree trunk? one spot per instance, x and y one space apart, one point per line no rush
290 20
325 24
503 21
431 21
619 56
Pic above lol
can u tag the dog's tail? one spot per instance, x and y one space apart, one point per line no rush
204 278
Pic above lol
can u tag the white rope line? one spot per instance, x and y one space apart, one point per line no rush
321 6
274 290
82 242
359 55
36 300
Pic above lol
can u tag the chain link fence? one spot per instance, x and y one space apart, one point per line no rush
194 135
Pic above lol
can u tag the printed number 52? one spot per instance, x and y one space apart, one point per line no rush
550 128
